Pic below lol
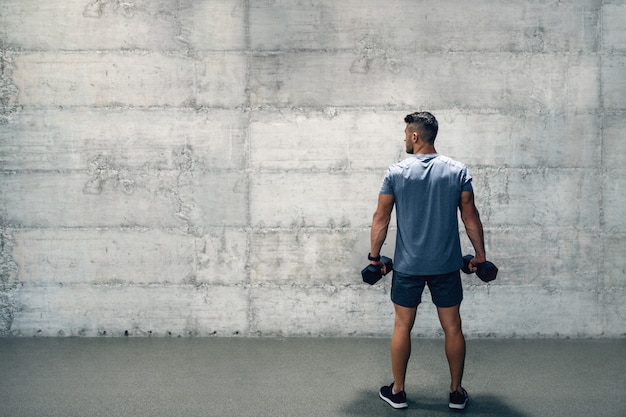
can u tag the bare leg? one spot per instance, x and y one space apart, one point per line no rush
401 344
450 319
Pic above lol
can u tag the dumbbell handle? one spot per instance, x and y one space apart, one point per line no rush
372 273
486 271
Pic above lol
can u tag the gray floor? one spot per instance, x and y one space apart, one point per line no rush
303 377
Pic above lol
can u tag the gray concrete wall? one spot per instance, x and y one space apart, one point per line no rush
211 167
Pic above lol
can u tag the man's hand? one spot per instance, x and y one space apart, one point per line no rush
381 265
476 260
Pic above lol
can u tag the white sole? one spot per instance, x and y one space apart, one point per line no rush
391 403
458 406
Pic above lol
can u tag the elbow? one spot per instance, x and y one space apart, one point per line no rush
470 216
381 219
471 222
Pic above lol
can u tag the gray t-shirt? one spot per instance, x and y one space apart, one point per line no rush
427 191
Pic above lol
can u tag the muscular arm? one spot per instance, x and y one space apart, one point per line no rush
380 223
473 226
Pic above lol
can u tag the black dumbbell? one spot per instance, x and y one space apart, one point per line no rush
486 271
373 273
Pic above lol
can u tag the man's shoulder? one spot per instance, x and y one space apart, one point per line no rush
437 159
400 165
449 161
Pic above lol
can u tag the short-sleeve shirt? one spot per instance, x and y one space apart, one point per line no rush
427 190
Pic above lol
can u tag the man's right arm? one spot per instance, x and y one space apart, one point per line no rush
380 223
473 227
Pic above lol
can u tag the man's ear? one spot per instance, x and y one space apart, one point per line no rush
415 137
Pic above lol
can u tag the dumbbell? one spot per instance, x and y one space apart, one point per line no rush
373 273
486 271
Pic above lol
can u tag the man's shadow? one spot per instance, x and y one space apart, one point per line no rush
366 403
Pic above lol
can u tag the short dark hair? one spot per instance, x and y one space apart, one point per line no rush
427 124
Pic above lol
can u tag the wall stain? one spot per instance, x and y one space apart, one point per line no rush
8 283
97 8
8 90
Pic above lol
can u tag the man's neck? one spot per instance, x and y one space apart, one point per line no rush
424 149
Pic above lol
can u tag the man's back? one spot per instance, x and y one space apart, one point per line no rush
427 189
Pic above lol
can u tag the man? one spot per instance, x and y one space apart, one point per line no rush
427 189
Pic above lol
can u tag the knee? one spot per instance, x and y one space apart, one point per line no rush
453 329
452 325
401 325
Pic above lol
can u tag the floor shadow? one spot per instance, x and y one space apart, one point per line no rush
367 403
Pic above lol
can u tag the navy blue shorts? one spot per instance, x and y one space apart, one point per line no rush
445 289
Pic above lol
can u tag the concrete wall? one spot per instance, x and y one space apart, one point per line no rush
211 167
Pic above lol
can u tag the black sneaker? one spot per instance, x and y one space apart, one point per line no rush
458 400
395 400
